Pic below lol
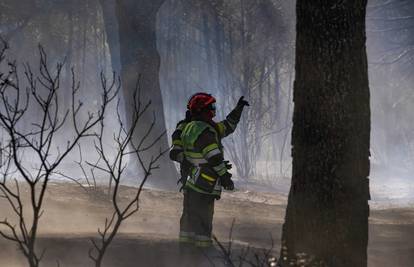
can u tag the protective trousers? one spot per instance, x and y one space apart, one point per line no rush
196 221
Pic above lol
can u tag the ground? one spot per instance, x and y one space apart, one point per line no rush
149 238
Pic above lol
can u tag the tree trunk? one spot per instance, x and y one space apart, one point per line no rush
140 58
327 213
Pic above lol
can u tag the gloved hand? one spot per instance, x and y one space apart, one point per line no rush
241 103
226 181
228 164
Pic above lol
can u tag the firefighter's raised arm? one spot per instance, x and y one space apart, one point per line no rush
228 125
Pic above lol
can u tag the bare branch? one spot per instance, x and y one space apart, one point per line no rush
114 166
38 142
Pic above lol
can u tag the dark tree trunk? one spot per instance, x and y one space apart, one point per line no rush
139 58
327 213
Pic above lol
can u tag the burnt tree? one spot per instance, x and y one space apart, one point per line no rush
326 220
139 57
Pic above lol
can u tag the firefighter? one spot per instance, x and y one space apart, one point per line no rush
197 147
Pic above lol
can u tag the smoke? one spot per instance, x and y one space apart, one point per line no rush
194 44
389 42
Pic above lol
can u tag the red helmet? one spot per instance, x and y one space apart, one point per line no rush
201 102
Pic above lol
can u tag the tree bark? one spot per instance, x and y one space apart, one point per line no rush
139 58
327 213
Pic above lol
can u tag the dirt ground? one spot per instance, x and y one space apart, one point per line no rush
149 238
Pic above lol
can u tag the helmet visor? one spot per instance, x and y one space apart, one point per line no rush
212 106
